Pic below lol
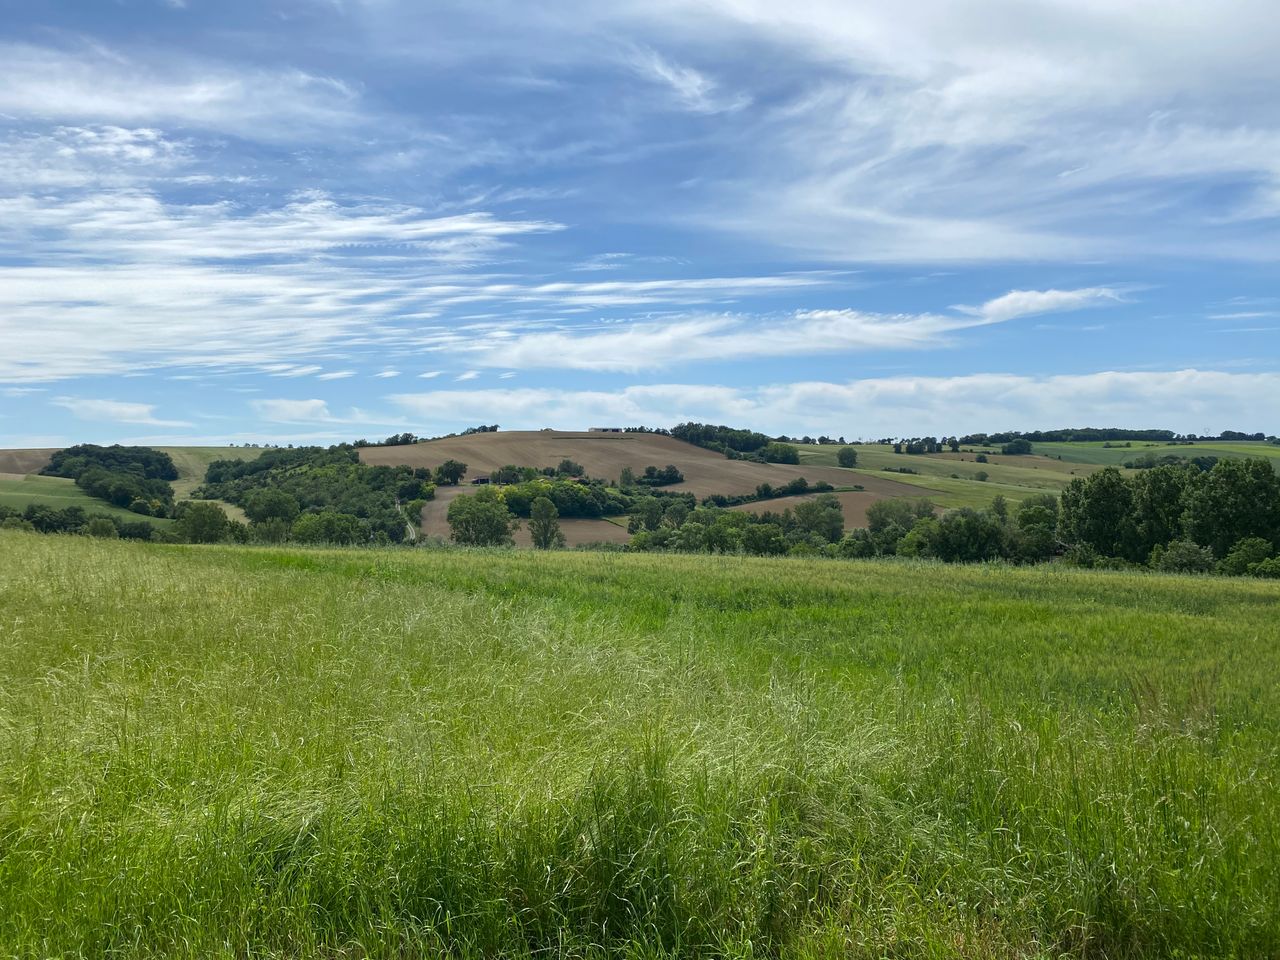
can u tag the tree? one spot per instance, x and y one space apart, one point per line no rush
203 523
481 520
271 504
1246 555
1158 504
627 477
780 453
450 473
1182 556
1098 511
1017 447
822 517
570 468
101 527
329 526
544 524
847 457
1234 500
764 539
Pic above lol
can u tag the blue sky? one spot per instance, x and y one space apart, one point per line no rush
318 220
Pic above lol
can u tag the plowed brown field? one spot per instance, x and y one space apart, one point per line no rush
605 454
25 461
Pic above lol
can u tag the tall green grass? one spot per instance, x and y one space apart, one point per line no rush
258 752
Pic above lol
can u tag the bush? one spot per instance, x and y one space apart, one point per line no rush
1270 569
1245 555
981 476
101 527
1182 556
847 457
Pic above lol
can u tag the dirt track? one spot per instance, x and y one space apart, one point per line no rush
605 454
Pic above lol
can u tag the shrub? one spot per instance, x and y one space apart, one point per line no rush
1182 556
1245 555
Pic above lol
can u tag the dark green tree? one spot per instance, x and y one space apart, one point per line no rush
544 525
203 523
847 457
271 504
1097 511
1234 500
450 473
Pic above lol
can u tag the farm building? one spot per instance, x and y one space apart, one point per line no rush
604 430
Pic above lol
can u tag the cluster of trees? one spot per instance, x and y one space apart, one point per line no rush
767 491
737 444
660 476
40 518
1177 517
317 494
1150 459
406 438
811 527
134 478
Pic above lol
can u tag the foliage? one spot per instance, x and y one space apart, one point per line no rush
1182 556
329 526
134 478
847 457
450 473
655 477
481 520
203 523
1016 447
316 479
544 527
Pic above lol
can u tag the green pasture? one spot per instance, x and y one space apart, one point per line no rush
259 752
59 493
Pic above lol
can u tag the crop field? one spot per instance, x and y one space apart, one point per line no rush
1100 453
605 454
235 752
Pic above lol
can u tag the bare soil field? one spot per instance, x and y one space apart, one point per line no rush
435 523
605 454
854 504
25 461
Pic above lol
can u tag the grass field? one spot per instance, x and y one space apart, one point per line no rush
234 752
1099 453
17 491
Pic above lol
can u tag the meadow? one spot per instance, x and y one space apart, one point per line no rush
230 751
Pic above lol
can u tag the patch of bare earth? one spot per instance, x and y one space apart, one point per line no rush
606 454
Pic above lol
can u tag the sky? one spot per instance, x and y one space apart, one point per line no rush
321 220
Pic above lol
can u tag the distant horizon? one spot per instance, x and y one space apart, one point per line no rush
290 220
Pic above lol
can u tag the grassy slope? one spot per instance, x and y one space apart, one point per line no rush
18 491
1016 478
1098 453
346 753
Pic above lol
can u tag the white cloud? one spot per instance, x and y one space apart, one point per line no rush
293 411
1199 401
337 375
690 88
99 85
430 374
648 345
387 374
115 411
466 375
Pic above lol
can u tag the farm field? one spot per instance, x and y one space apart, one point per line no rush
605 454
1098 453
229 751
27 464
853 503
17 490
